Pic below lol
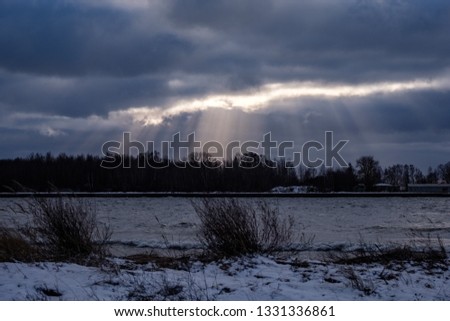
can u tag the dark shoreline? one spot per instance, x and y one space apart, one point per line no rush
218 194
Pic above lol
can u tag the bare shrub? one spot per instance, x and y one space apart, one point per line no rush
234 228
65 228
275 233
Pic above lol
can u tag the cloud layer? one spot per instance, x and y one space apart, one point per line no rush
376 72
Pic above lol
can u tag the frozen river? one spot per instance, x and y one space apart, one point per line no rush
153 223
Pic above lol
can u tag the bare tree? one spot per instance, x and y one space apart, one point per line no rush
369 171
444 172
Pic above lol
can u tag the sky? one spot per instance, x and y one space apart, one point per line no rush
77 73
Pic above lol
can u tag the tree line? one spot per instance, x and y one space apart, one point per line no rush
200 173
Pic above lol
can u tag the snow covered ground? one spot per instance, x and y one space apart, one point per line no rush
257 278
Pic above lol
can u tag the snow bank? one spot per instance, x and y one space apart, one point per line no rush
258 278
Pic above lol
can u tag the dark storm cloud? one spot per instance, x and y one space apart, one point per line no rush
59 38
330 41
422 116
412 113
78 96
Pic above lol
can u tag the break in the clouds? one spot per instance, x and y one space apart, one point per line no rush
76 73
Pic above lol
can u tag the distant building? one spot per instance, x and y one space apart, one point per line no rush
429 188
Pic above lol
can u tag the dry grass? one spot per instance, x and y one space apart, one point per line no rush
58 229
15 247
367 287
430 252
234 228
162 262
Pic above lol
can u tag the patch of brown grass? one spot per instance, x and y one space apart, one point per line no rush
15 247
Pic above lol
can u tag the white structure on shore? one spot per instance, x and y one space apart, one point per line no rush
292 189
